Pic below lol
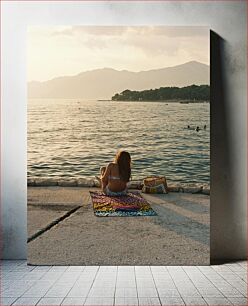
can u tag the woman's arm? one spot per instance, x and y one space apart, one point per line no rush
104 178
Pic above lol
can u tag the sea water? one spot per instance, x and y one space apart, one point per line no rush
74 138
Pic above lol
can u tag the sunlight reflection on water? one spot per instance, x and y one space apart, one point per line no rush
73 138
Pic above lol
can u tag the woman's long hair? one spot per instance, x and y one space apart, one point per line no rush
123 159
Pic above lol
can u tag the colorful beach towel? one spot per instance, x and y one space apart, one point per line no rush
132 204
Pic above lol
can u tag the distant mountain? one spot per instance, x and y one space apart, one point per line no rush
104 83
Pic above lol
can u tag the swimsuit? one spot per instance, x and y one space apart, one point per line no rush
109 192
114 177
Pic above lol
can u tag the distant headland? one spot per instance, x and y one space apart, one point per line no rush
192 93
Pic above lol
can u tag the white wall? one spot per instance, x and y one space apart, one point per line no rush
228 135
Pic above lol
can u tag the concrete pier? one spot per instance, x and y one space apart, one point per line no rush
63 230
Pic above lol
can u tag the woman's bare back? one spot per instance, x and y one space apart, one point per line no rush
115 183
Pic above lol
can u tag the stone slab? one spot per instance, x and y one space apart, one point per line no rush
179 235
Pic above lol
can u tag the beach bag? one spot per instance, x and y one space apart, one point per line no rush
155 184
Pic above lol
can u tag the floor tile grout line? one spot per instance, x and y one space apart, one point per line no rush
155 286
14 301
26 289
152 274
38 301
237 273
192 283
43 266
136 286
204 298
216 271
228 298
219 274
231 284
25 305
44 293
115 284
211 282
87 295
244 266
176 286
73 284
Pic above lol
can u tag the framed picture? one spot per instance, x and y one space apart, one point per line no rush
118 145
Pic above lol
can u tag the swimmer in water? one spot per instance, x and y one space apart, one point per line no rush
197 129
205 127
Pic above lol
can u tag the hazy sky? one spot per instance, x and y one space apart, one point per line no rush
68 50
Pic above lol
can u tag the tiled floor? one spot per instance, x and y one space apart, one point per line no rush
123 285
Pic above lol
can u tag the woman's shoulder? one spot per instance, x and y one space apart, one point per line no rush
113 166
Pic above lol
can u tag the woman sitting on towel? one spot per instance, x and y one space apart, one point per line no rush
116 175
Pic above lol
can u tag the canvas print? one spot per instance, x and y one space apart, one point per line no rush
118 145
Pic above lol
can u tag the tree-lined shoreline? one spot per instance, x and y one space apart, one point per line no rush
194 93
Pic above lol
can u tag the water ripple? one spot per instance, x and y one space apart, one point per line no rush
72 139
